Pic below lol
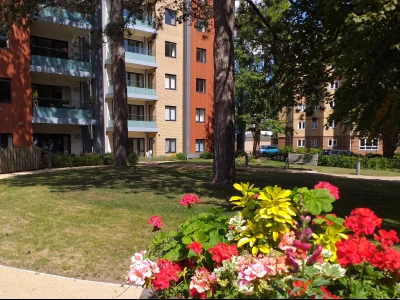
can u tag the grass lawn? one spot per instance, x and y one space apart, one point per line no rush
87 223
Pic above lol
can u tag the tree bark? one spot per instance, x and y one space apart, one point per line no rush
120 110
224 93
256 141
390 144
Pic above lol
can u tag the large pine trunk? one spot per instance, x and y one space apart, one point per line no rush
119 84
224 93
390 144
256 141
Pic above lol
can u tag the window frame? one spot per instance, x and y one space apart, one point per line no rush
334 85
367 147
7 80
301 107
6 40
169 148
303 127
201 29
198 80
203 51
316 125
302 143
198 115
170 76
198 144
316 107
6 137
314 143
170 108
332 124
168 11
170 44
332 142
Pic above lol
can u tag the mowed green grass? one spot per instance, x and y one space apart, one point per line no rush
87 223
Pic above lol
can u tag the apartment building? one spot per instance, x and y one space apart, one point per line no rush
311 129
56 88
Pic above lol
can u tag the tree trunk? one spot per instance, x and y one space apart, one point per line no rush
256 141
119 86
390 144
224 93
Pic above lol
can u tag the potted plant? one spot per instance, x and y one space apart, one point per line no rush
90 102
35 96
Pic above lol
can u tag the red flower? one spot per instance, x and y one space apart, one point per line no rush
354 250
333 190
325 294
156 221
387 238
193 293
188 200
195 247
168 271
389 259
186 263
223 252
362 221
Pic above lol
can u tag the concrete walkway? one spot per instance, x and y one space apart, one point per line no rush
22 284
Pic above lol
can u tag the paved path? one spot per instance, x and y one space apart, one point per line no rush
22 284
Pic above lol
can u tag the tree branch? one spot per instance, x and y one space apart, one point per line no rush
262 18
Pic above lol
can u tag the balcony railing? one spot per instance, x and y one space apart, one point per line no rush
142 121
137 87
137 53
147 20
60 59
64 14
59 108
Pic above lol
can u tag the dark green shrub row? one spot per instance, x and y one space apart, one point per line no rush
206 155
181 156
89 159
342 161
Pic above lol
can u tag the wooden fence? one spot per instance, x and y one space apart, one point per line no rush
19 159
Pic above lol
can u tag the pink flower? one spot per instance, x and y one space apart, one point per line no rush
333 190
188 200
155 221
195 247
287 241
202 280
141 270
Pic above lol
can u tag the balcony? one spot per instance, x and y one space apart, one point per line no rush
136 90
65 17
146 26
59 111
61 62
136 57
136 123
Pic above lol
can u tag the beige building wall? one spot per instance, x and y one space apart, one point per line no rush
173 66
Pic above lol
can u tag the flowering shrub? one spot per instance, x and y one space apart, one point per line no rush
156 221
281 244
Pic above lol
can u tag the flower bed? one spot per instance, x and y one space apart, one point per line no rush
282 244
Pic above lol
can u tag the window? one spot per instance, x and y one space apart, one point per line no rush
136 113
302 125
49 48
170 82
4 41
170 17
134 46
200 85
334 85
371 145
52 96
170 145
135 80
136 145
316 107
170 49
314 143
5 90
54 143
301 107
200 55
200 145
301 143
200 112
170 113
200 25
331 104
314 124
332 142
332 124
5 140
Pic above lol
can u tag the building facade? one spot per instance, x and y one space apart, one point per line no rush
311 129
56 88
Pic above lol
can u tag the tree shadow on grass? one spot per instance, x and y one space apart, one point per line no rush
173 180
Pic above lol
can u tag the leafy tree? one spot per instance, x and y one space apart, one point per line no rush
354 41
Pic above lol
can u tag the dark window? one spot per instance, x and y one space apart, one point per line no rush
5 140
5 90
201 55
170 49
200 113
48 47
200 145
200 25
136 145
200 85
170 145
135 47
51 96
170 17
54 143
4 39
170 113
135 80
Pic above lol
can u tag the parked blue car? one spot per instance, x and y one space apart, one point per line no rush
266 150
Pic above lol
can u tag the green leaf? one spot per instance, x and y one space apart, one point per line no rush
320 282
186 240
173 255
335 220
200 237
319 221
317 201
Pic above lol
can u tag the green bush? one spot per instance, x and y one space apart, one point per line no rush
315 151
108 158
301 150
181 156
133 158
206 155
239 153
285 150
343 161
